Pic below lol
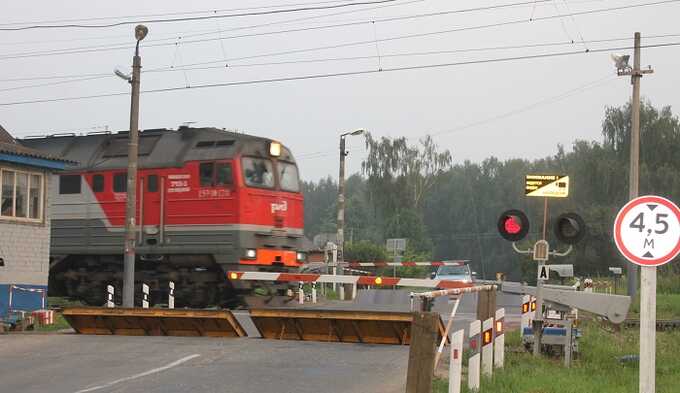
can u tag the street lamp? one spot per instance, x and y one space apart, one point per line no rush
130 226
341 194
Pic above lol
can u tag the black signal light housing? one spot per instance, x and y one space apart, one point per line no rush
513 225
570 228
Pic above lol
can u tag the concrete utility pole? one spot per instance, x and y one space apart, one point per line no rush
341 198
130 209
648 286
623 68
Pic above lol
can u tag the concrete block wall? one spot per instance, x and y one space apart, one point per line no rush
25 247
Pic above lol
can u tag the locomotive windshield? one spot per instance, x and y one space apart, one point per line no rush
258 172
288 176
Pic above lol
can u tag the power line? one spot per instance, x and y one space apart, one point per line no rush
342 74
549 100
209 11
55 83
197 18
127 44
346 58
569 93
121 46
174 36
426 34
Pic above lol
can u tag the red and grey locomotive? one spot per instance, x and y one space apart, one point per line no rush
208 201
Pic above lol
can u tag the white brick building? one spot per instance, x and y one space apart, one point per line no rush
24 225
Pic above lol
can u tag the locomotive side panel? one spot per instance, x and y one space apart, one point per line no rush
208 201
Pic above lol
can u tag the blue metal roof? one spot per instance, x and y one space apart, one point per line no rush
32 161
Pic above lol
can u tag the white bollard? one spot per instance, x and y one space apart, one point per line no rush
109 296
171 295
341 288
145 298
301 294
456 366
526 310
487 347
473 361
354 291
499 341
314 292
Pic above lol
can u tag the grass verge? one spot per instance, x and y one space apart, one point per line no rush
598 368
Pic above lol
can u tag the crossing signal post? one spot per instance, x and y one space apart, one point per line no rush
513 226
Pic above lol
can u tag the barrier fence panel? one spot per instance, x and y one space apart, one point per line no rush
153 322
366 327
474 359
456 365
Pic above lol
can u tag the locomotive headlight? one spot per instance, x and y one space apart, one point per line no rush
301 256
274 149
251 253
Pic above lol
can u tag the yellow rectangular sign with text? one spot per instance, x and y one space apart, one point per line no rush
551 186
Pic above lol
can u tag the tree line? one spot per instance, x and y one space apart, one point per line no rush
450 211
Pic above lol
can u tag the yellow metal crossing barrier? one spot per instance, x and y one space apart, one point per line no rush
366 327
153 322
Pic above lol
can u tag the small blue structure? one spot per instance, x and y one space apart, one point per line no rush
24 225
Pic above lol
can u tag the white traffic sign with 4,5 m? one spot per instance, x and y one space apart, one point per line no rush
647 231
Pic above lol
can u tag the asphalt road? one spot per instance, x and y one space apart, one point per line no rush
72 363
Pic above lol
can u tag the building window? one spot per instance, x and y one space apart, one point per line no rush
8 193
69 184
21 195
120 182
153 183
98 183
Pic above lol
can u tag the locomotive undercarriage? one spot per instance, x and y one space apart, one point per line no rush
200 282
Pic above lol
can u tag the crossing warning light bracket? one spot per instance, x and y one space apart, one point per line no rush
366 327
153 322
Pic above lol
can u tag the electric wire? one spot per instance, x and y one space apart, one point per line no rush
99 48
192 33
549 100
127 45
208 11
335 59
425 34
341 74
196 18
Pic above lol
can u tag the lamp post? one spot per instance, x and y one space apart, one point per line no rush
130 209
341 197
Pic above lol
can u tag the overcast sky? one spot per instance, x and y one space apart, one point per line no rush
464 106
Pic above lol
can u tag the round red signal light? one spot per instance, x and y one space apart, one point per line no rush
513 225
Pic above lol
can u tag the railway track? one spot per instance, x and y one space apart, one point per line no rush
661 324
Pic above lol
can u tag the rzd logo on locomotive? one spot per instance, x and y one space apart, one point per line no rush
279 207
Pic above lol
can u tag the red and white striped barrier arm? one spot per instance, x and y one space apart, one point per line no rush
390 264
359 280
454 291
